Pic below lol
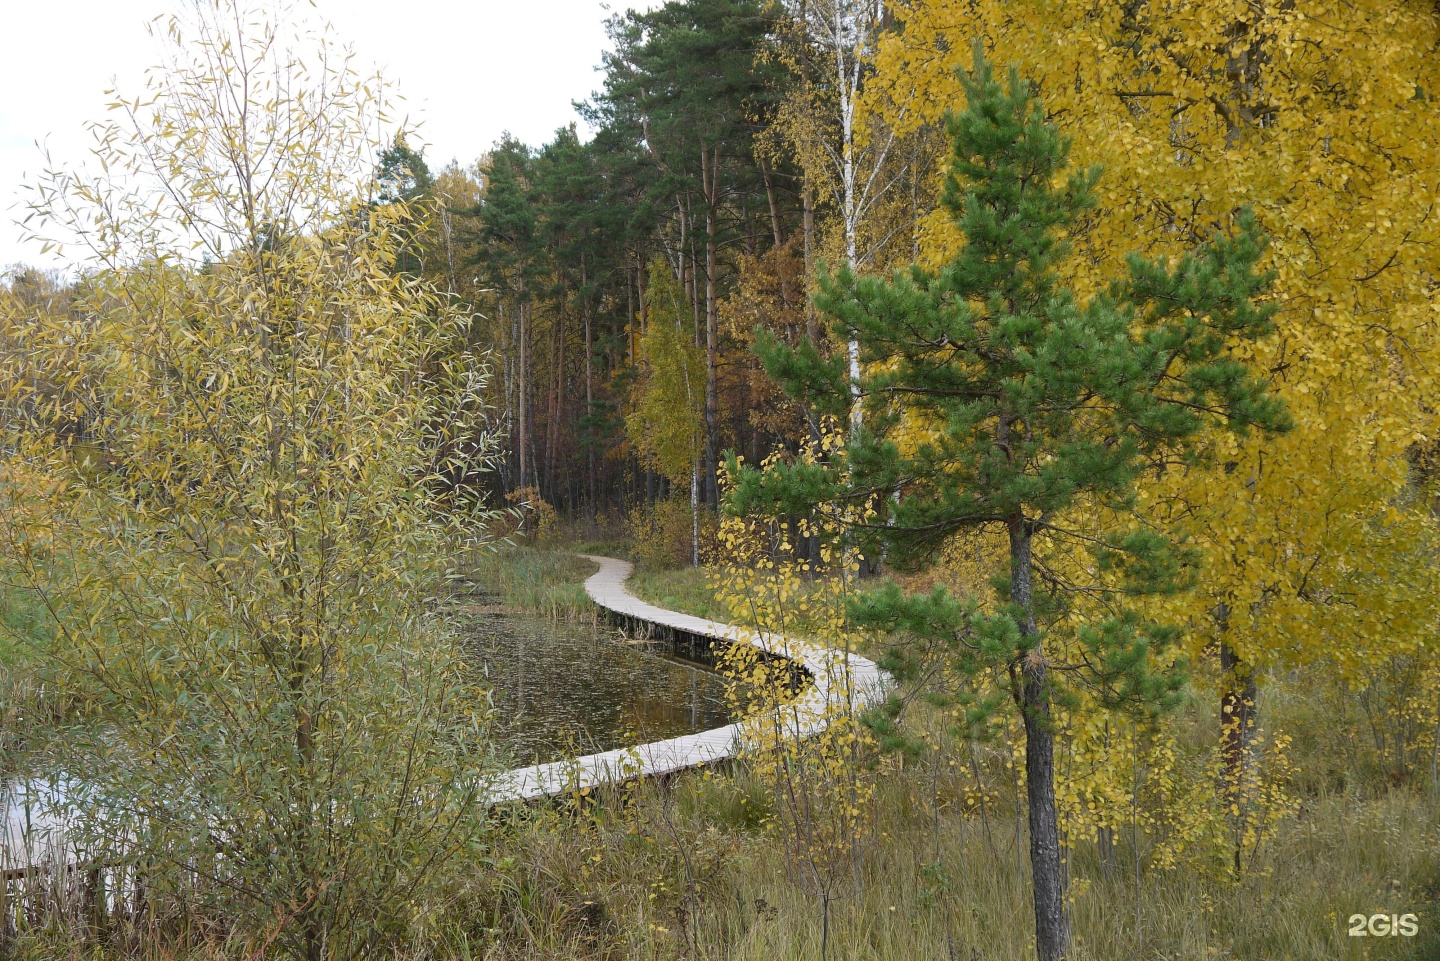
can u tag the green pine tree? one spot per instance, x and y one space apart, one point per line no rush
577 222
685 84
1024 408
510 257
401 173
402 177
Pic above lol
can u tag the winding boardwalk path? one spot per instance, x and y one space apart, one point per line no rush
837 682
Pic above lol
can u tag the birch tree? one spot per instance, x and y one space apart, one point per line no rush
827 124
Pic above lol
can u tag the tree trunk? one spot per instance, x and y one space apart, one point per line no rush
523 401
589 405
1105 847
807 198
1435 755
685 255
631 323
312 922
550 491
1237 714
1237 731
695 515
807 201
850 215
774 202
712 327
1052 923
507 373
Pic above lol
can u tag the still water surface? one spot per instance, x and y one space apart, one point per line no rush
557 688
564 688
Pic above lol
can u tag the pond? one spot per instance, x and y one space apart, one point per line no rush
563 688
558 689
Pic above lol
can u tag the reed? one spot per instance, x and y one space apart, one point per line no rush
534 581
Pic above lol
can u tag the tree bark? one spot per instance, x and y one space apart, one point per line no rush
695 515
774 202
553 407
631 321
1052 922
1237 732
589 402
712 325
850 215
507 352
807 198
523 401
1237 713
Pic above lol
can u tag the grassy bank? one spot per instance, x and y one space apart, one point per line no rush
696 867
549 582
533 581
684 589
693 870
703 867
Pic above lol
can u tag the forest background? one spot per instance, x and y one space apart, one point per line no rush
619 284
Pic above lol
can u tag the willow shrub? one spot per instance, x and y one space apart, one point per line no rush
237 519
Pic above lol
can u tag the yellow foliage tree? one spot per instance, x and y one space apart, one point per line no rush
667 423
822 786
1194 109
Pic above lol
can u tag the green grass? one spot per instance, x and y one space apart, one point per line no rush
550 582
536 581
684 589
23 627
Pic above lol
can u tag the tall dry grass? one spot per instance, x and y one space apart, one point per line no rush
540 582
690 867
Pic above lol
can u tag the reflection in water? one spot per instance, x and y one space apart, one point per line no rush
558 689
562 689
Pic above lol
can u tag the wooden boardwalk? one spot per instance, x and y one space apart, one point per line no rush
836 682
34 834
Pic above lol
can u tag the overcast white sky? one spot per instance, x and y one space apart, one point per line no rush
469 69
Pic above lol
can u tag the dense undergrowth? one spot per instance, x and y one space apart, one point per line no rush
693 866
689 870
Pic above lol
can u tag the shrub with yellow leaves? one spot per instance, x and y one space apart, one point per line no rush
821 784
